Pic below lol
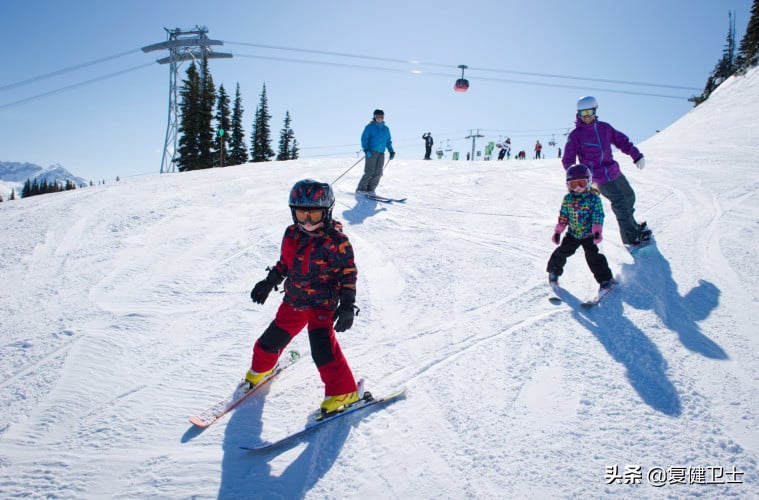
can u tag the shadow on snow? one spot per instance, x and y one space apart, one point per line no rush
648 284
250 475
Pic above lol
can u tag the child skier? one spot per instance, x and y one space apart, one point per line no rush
317 262
582 212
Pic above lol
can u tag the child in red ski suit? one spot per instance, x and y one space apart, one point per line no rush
319 271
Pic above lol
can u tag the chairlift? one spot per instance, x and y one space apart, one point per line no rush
462 84
552 142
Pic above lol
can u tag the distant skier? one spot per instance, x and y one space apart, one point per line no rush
505 149
582 212
374 140
320 287
538 149
590 144
427 146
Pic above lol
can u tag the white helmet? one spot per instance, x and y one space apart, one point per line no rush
587 102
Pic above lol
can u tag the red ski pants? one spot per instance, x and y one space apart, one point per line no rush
325 351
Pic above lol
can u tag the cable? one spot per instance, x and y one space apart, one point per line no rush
440 65
448 75
67 70
69 87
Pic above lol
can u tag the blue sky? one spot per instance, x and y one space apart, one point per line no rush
528 64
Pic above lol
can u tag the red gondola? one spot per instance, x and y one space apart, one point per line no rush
462 84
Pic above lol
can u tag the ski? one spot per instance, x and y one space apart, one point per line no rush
367 402
599 297
383 199
215 412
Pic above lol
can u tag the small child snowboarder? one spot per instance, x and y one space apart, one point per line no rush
318 267
583 214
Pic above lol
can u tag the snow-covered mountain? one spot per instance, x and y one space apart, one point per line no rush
125 309
13 175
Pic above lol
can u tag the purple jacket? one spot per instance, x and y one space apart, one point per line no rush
591 144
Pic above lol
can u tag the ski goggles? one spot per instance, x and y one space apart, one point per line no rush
312 215
587 112
578 184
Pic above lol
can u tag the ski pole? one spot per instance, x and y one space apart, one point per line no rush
349 169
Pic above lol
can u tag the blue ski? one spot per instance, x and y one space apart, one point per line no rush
366 403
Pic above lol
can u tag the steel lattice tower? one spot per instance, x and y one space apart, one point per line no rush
182 46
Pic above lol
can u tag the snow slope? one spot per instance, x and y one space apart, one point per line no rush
125 309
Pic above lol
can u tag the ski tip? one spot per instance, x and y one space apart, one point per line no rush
199 423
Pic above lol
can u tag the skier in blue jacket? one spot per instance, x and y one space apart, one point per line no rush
374 140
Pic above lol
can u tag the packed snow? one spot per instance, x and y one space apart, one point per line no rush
125 310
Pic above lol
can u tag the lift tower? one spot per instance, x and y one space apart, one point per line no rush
182 46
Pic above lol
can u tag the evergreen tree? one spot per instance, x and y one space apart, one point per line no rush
748 53
724 68
13 194
286 137
294 151
238 150
206 132
222 123
260 148
188 149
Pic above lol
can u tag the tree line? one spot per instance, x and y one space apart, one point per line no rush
732 63
35 187
213 135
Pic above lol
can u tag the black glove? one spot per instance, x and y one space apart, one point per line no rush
344 314
392 154
264 287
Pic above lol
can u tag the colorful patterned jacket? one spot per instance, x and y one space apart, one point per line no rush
579 211
316 266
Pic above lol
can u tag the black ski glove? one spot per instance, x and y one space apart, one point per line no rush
344 314
264 287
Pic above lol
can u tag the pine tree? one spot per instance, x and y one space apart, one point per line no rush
238 150
724 68
286 136
294 150
188 149
260 148
222 124
206 132
748 53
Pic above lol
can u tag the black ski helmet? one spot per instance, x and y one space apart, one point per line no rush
313 194
379 112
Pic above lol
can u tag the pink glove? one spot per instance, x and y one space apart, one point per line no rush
598 230
556 238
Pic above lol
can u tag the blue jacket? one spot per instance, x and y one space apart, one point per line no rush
376 137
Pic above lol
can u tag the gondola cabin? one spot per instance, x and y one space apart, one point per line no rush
462 84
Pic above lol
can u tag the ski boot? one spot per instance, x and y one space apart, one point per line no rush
253 378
